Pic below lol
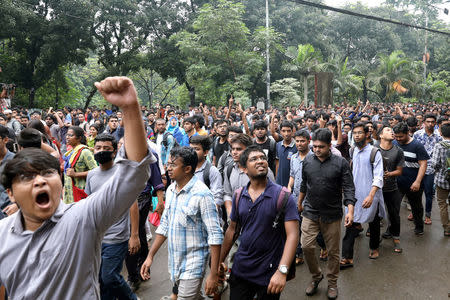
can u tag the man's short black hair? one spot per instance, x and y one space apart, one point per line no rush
190 120
445 130
30 138
52 117
243 139
401 128
363 125
202 140
411 122
235 129
288 124
244 156
433 116
113 116
311 117
302 133
30 160
200 120
221 121
3 132
187 155
106 137
260 124
323 135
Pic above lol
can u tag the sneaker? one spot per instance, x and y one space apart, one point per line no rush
134 285
427 221
332 293
312 287
418 231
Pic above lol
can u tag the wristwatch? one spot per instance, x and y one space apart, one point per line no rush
283 269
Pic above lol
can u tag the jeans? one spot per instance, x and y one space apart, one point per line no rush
134 262
392 202
428 186
241 289
112 284
320 241
415 200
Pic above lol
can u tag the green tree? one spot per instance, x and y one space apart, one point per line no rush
286 92
218 53
42 36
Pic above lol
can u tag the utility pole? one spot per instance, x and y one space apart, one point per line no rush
267 55
425 56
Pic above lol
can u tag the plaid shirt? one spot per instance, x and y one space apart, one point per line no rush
191 223
439 164
428 141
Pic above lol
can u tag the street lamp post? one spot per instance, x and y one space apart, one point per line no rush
267 56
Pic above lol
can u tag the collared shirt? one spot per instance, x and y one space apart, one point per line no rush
190 223
4 198
236 180
439 164
365 176
262 244
324 184
61 259
284 155
428 141
215 180
296 172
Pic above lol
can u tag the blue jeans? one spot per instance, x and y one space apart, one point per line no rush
112 284
428 187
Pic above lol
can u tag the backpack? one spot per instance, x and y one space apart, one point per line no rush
447 159
373 153
166 137
282 200
206 173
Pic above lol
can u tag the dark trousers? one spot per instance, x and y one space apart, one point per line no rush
241 289
134 262
319 239
428 187
392 201
112 284
415 200
352 232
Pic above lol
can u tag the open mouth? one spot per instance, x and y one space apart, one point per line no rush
42 199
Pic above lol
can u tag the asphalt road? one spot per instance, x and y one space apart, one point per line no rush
422 271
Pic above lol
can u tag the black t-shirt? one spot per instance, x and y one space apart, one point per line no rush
270 152
413 152
392 159
219 149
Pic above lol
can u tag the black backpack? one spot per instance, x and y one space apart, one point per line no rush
206 173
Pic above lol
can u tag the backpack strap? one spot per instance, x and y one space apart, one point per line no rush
282 200
237 197
206 173
272 144
229 169
373 153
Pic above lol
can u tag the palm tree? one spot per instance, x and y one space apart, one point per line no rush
394 74
303 61
345 79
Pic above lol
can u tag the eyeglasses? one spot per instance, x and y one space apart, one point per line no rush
258 158
28 177
171 165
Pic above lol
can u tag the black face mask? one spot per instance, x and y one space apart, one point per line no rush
103 157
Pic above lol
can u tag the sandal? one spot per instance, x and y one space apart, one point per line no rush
345 264
410 217
427 221
299 261
397 247
323 255
374 254
368 232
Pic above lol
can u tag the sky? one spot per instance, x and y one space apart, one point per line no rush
370 3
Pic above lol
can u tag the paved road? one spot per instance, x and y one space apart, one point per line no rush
422 271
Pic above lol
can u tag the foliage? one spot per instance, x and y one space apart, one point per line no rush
286 92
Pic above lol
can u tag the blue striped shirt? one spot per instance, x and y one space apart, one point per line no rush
190 223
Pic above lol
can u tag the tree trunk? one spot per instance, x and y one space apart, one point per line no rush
56 94
305 89
89 97
364 90
31 98
191 90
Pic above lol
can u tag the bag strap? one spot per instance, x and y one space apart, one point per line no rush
282 200
206 173
77 156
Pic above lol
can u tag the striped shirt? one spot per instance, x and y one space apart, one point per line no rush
190 223
439 164
414 151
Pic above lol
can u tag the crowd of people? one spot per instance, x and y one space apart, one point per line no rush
245 192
